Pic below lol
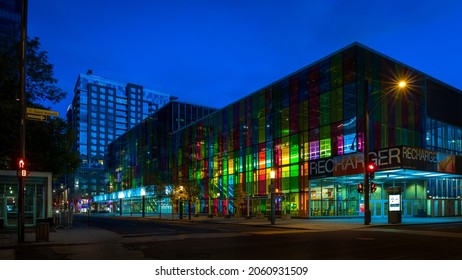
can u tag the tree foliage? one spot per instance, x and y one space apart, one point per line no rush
239 195
186 190
48 144
158 189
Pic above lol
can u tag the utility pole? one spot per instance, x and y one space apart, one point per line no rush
22 119
367 212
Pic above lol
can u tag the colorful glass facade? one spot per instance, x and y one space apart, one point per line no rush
308 128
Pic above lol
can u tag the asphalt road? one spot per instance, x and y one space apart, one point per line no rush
180 240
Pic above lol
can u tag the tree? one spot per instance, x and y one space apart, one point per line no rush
159 189
192 191
186 190
48 144
239 195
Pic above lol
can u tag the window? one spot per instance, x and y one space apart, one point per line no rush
314 150
325 148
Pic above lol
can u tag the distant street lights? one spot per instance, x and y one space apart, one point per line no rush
143 202
181 202
273 197
121 196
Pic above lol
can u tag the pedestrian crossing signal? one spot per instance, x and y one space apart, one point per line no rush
22 171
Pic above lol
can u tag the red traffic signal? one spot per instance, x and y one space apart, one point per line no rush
370 169
373 187
360 188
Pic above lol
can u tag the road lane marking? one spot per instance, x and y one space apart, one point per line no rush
271 232
365 238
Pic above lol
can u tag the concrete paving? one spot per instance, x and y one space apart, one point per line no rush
83 234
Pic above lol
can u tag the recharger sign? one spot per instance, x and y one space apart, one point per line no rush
385 159
336 166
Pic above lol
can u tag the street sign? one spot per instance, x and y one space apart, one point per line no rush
36 117
36 111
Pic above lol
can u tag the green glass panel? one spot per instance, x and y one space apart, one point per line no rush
225 166
336 102
285 148
294 170
269 155
304 146
325 132
294 149
324 109
325 148
248 160
285 183
303 116
249 176
293 185
261 129
285 122
240 165
285 178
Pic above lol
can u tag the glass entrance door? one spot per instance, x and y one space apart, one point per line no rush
11 206
377 208
30 205
11 203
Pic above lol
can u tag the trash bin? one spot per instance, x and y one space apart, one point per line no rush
42 232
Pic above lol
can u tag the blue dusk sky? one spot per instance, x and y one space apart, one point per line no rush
215 52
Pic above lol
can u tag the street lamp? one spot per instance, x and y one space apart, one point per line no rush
143 202
210 193
367 213
272 189
181 202
121 195
218 204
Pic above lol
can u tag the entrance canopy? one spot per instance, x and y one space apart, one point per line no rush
389 175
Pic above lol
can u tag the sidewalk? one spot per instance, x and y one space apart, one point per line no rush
83 234
80 234
324 224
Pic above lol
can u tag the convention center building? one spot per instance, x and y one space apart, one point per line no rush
302 139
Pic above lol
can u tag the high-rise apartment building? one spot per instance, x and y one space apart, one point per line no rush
10 23
101 111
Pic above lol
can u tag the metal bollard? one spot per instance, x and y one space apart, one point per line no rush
57 220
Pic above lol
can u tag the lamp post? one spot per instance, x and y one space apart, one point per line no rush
367 211
181 202
367 111
121 195
218 204
272 189
22 120
210 197
143 202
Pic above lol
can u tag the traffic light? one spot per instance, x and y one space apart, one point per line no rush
22 171
370 168
373 187
360 188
